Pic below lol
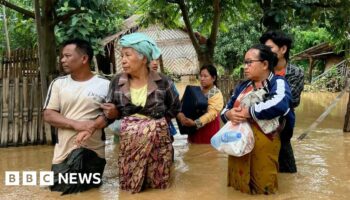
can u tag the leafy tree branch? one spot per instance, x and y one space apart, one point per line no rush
23 11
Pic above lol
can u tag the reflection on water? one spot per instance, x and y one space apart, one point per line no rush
313 105
199 172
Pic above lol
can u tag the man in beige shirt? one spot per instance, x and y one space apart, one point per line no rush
73 106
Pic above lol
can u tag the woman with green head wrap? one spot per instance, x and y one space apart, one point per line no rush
146 102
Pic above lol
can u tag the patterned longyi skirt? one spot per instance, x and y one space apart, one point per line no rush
145 155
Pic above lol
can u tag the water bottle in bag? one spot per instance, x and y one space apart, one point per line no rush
235 140
230 136
225 137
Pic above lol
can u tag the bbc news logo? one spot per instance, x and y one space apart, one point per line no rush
46 178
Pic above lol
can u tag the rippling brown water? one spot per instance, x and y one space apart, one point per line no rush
323 160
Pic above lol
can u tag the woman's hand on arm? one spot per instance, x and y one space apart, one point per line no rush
100 122
91 127
57 120
110 110
84 126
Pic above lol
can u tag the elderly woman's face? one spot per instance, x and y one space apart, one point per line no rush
132 62
254 67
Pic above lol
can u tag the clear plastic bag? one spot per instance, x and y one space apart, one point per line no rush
115 127
235 140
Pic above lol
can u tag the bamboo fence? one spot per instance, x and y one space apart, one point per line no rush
21 121
226 84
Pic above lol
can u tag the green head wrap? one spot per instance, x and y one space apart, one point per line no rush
141 43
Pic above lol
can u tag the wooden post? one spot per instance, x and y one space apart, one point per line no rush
347 114
347 117
30 109
34 131
112 58
161 64
5 98
1 66
16 123
347 84
40 119
10 98
20 94
25 111
311 66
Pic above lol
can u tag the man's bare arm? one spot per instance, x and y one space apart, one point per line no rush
57 120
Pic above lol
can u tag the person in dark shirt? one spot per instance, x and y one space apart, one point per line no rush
281 44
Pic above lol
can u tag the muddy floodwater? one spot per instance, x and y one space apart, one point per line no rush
200 172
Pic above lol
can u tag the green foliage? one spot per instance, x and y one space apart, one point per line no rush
80 3
100 20
333 81
159 12
331 15
200 13
232 45
22 32
241 34
307 38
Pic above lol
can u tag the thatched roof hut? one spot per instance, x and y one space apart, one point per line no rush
324 52
178 54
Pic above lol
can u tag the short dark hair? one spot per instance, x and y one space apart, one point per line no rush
82 45
265 53
212 71
279 38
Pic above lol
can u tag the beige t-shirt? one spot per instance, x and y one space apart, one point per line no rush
78 101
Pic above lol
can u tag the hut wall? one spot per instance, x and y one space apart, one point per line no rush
179 55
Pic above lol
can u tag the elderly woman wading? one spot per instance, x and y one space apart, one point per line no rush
145 102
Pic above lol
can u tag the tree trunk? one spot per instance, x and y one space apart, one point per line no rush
268 19
205 59
6 32
47 42
347 115
48 57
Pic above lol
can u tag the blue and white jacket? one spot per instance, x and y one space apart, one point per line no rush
277 102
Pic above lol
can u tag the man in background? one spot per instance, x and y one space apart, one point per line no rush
280 43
